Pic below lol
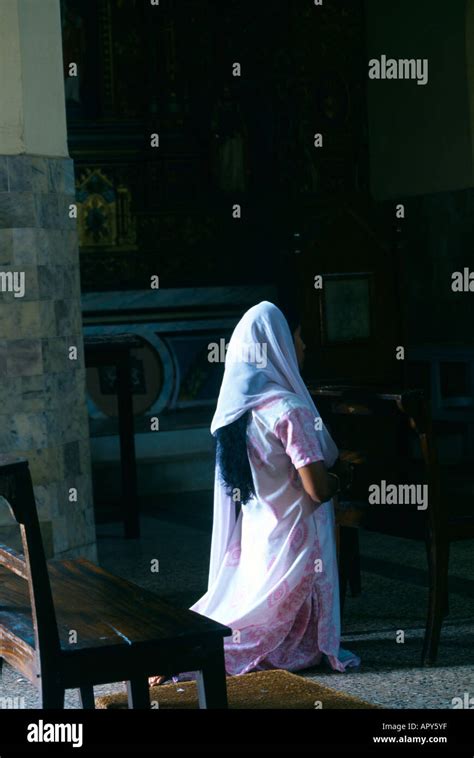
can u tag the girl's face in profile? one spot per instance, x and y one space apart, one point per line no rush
300 347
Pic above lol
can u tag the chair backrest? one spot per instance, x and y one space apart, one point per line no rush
17 489
382 427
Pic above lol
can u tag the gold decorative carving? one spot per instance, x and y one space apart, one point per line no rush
105 220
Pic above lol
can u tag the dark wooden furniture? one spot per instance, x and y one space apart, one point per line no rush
380 431
69 624
114 350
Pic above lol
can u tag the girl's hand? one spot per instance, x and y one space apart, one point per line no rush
153 681
344 468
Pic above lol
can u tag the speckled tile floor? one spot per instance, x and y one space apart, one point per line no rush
176 530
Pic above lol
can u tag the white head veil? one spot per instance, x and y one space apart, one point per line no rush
260 363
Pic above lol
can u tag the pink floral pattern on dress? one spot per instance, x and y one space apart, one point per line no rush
299 535
286 612
233 555
296 432
278 594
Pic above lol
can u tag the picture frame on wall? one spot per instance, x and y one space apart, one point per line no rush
346 308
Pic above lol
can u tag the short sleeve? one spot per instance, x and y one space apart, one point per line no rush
295 430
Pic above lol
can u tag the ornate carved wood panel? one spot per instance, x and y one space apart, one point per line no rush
223 140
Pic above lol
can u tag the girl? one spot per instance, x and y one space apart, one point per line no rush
273 575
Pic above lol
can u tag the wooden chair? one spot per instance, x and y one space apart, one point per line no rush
376 431
69 624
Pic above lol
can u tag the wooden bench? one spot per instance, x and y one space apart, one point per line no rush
69 624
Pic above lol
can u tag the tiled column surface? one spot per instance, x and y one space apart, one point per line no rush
43 412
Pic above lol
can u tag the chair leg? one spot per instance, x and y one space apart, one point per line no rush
342 591
51 696
211 681
352 546
86 696
437 555
342 587
138 693
349 563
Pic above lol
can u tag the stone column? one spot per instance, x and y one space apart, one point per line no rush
43 413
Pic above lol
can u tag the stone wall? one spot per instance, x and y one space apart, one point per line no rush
43 414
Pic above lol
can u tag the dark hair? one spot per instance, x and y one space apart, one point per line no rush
233 460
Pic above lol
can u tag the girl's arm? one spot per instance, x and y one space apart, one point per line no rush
318 484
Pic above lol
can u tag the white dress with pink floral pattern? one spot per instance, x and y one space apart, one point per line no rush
278 587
